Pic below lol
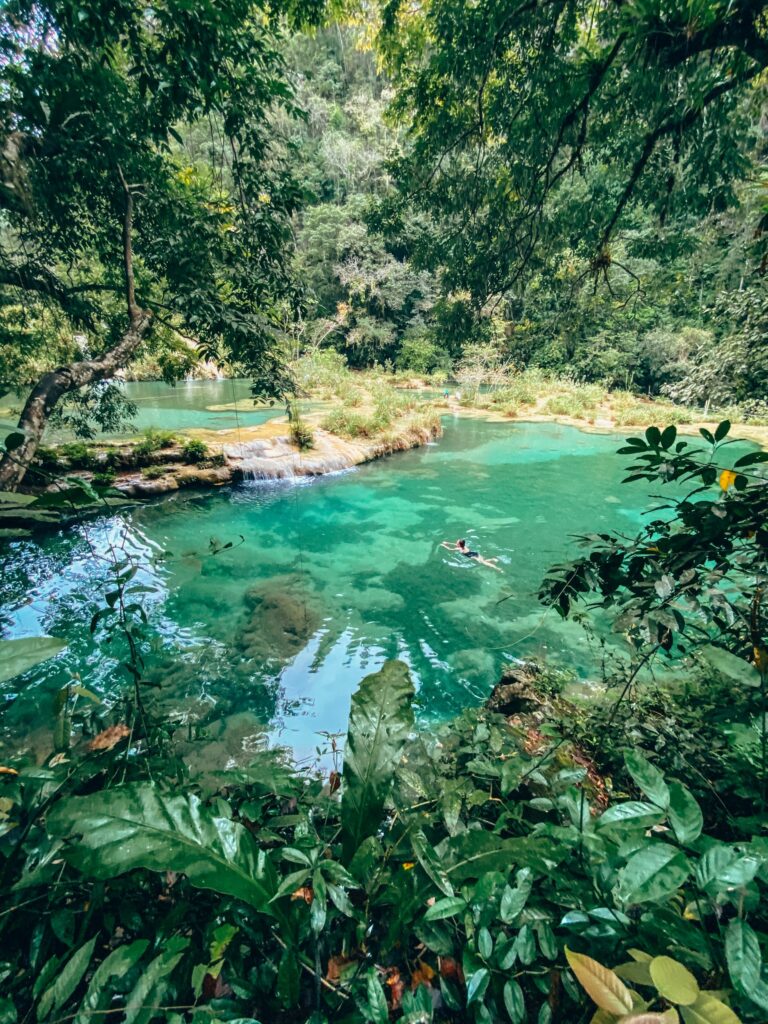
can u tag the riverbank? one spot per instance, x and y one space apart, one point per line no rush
604 421
266 452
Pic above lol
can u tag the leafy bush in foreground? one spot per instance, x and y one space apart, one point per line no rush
442 879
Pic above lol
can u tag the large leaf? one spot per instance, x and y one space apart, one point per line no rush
745 962
377 1001
428 859
474 852
603 987
632 813
514 1001
17 656
708 1010
66 981
654 873
380 720
647 778
673 981
99 993
139 826
685 815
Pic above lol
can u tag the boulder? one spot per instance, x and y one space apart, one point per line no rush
515 693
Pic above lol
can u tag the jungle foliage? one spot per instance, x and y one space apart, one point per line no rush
462 874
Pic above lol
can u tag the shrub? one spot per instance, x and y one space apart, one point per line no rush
153 441
78 454
104 478
194 450
346 423
154 472
457 872
302 435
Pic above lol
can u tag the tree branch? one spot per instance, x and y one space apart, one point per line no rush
130 287
669 127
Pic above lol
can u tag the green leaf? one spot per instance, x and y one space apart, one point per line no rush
634 813
288 978
477 983
673 981
429 860
647 778
377 1001
450 995
17 656
525 944
147 992
484 943
381 717
514 1001
67 980
118 963
653 436
652 874
319 908
547 941
513 900
708 1010
8 1012
745 960
685 815
722 430
668 436
750 459
448 907
139 826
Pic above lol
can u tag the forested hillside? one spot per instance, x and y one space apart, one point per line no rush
679 311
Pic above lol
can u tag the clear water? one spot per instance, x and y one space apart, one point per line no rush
331 577
188 404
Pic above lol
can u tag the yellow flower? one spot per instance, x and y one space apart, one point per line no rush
409 865
726 479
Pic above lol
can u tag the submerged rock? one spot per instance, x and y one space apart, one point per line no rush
281 618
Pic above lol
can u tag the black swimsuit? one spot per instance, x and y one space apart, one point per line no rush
471 554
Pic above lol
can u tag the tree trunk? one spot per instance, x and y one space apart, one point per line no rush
54 385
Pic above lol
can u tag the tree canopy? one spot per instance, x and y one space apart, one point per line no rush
107 231
538 124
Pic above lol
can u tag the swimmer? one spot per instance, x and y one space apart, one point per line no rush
461 547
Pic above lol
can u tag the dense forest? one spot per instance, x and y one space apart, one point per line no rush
523 209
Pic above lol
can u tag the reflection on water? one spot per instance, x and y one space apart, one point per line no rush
327 578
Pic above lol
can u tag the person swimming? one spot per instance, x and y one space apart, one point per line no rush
462 548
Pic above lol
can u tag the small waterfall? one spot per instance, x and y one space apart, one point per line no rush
276 459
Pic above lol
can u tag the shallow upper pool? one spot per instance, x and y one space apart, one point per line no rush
327 578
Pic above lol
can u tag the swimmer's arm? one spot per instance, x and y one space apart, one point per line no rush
447 544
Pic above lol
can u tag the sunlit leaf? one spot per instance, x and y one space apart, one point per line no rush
602 985
139 826
18 656
708 1010
674 981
